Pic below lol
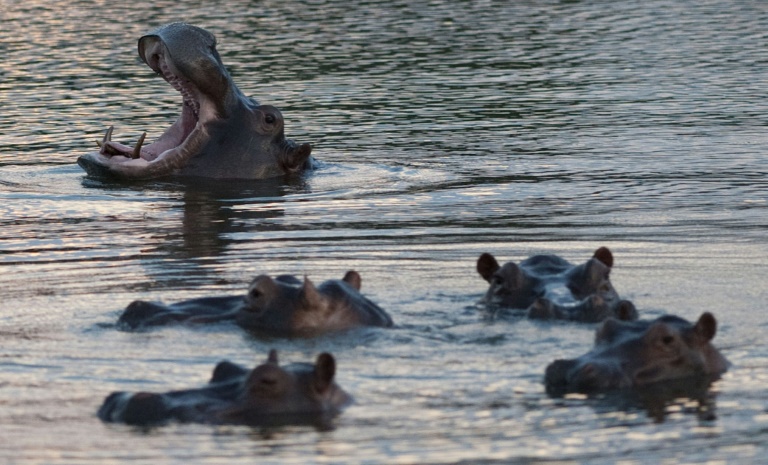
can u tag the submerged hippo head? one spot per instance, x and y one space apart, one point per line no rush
220 133
639 353
286 305
547 286
283 306
268 394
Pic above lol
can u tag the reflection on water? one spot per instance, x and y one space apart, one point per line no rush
658 400
444 130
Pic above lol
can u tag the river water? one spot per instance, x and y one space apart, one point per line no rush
444 129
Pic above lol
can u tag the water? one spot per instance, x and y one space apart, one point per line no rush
445 129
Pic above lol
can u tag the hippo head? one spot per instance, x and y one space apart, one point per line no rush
268 394
632 354
220 133
296 389
287 306
546 286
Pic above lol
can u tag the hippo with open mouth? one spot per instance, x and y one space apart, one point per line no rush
270 394
631 354
220 134
284 306
549 287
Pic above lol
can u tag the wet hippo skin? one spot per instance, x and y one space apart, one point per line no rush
282 306
640 353
220 134
547 286
269 394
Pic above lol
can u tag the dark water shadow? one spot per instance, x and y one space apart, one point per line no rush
259 428
689 395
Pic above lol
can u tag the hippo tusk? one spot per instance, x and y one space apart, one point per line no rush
137 149
107 137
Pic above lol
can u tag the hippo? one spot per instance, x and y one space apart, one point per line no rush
221 133
632 354
549 287
283 306
270 394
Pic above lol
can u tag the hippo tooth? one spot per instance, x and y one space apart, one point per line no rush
107 137
137 149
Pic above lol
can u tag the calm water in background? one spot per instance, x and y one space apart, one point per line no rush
445 129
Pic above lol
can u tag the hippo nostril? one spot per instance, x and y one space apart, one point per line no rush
268 381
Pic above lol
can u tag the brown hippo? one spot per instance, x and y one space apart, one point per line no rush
640 353
283 306
547 286
267 395
221 133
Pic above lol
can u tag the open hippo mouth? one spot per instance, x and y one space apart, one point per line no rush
174 138
220 133
196 109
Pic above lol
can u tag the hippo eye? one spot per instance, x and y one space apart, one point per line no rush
498 280
255 293
667 340
270 119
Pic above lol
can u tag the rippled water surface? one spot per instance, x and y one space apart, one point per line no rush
444 129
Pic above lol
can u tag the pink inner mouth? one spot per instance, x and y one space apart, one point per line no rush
174 136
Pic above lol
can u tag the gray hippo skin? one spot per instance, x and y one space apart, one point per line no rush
284 306
640 353
267 395
547 286
220 134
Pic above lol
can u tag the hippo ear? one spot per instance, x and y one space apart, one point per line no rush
607 331
626 311
272 357
353 279
487 265
605 256
325 370
706 327
310 297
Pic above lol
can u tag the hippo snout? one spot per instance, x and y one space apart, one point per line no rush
138 409
557 372
593 377
564 376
